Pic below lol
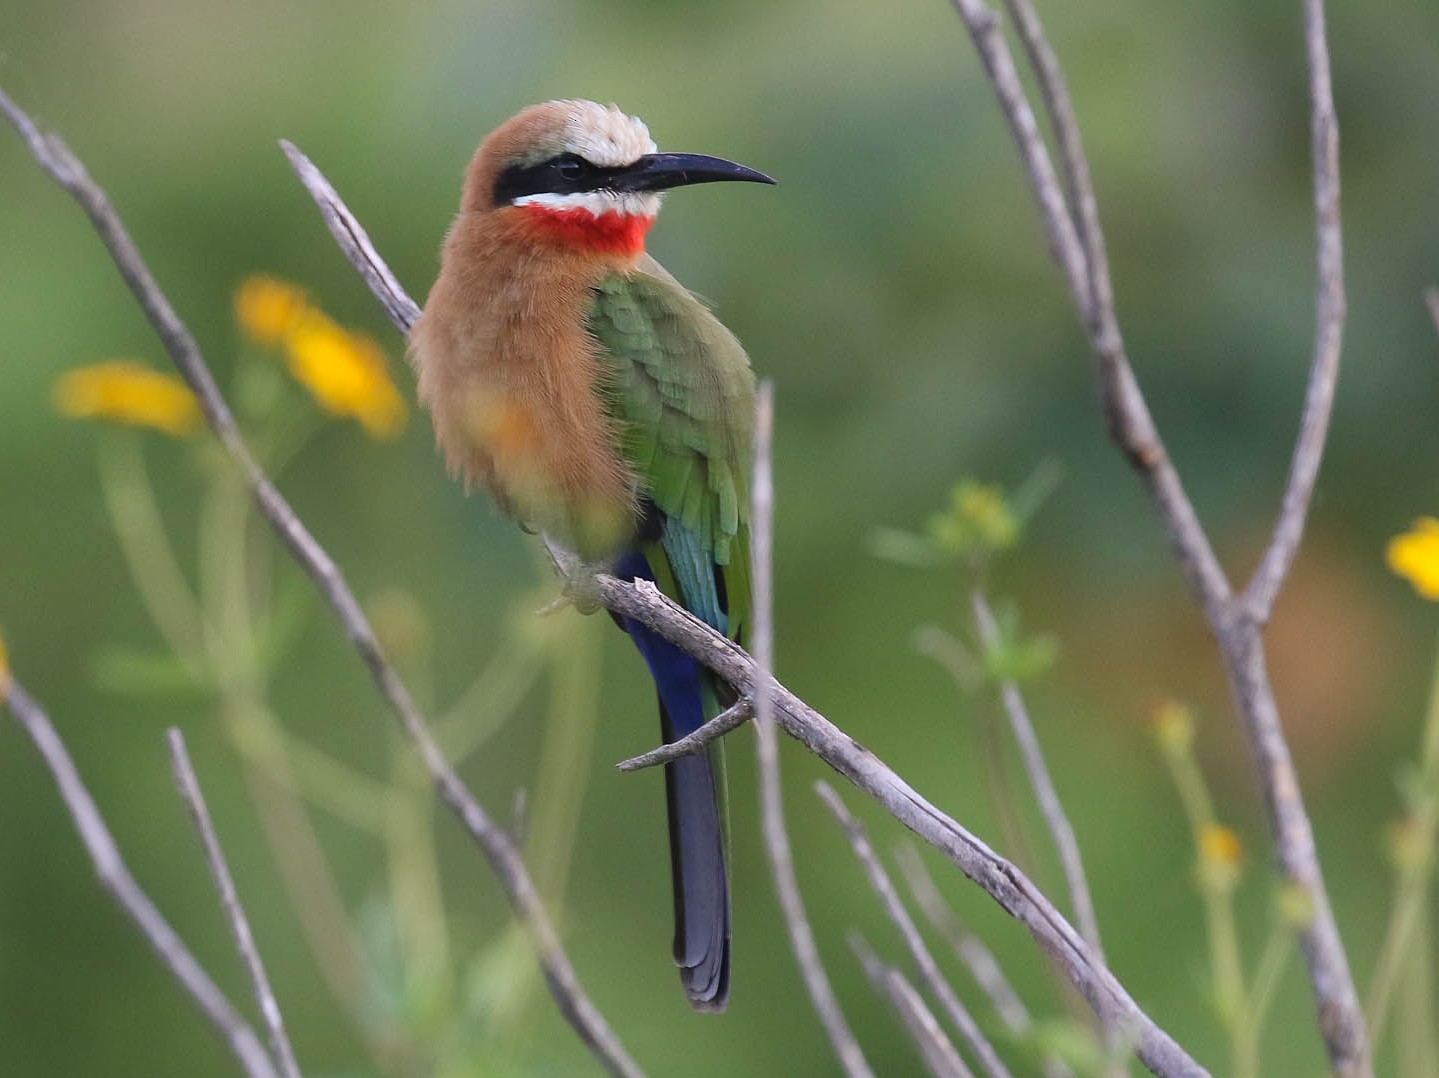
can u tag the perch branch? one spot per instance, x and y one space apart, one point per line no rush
996 876
731 718
979 1045
116 879
1004 882
1060 830
776 836
1236 624
939 1054
185 778
504 858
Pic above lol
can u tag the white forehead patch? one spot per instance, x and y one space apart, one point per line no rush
605 136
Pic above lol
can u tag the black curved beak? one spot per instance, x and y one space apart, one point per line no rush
661 171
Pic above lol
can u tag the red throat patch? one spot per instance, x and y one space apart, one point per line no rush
608 233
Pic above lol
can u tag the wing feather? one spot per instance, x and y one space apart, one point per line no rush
682 392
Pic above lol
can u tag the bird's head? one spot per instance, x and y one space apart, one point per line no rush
584 175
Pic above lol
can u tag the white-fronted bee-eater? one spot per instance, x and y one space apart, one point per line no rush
605 406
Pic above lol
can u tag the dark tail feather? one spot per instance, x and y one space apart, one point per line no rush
701 882
697 856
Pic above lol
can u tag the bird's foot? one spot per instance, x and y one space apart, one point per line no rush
580 589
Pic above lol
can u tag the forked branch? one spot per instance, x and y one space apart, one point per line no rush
1076 241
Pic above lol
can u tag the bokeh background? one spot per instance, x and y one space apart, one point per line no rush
896 288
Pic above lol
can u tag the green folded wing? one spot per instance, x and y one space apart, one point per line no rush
681 388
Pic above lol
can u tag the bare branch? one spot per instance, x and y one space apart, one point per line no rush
354 241
731 718
1130 424
1004 882
979 1045
776 837
971 950
1054 89
504 858
937 1051
1234 624
280 1047
115 878
1329 317
1045 793
1000 879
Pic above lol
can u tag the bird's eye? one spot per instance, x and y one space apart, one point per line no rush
571 167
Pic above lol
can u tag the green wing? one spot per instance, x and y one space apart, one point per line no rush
683 392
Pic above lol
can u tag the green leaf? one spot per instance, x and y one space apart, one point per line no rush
1013 657
294 598
905 548
126 671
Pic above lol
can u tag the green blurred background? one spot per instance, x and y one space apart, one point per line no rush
896 288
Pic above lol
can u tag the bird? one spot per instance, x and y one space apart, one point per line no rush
604 406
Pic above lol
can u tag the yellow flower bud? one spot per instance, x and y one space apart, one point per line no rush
1221 857
1173 727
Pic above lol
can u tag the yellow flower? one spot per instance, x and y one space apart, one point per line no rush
126 391
1415 556
985 509
1221 855
268 309
345 372
4 670
978 521
1173 727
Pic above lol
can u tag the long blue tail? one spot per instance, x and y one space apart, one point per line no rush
697 855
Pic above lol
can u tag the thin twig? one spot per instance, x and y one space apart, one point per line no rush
996 876
185 778
776 836
938 1052
983 1051
1329 317
115 878
972 953
731 718
999 878
1131 426
1413 875
1059 107
1130 423
1045 793
505 860
970 949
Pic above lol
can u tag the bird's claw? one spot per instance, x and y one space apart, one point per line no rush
581 589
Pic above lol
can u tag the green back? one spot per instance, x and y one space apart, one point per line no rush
683 392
